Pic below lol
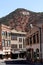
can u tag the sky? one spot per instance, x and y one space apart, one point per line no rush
8 6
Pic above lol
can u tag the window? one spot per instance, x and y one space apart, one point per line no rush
34 54
34 39
3 33
8 43
27 41
23 41
30 40
8 33
37 35
37 50
20 39
14 46
13 37
20 45
37 55
3 42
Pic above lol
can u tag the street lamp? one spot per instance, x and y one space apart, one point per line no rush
40 40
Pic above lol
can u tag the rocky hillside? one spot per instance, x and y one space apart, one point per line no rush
21 18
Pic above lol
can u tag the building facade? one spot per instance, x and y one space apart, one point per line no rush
34 39
18 44
5 40
11 42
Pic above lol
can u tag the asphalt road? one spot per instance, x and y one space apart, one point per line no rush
23 63
20 63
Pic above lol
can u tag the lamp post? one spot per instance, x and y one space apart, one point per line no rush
40 40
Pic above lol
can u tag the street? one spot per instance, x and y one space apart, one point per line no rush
25 62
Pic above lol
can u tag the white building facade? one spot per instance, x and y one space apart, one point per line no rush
18 41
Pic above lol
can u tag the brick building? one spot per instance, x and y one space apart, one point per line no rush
34 40
5 39
11 41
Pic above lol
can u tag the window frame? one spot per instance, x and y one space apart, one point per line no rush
20 39
3 41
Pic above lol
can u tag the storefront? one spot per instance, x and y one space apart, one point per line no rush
6 54
30 54
1 54
15 54
22 53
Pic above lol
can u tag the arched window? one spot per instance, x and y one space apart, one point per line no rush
37 50
37 35
34 38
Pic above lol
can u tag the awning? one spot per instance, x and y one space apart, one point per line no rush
15 52
6 50
3 53
22 50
